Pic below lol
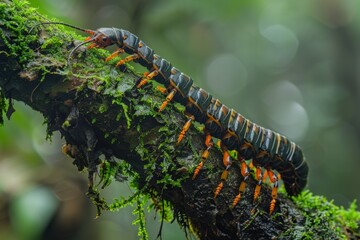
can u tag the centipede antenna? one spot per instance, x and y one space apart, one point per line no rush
64 24
74 49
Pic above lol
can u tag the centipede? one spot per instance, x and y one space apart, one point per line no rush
272 155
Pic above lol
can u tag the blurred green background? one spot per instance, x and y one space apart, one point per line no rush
291 66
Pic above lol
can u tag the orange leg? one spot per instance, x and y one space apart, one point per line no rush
209 144
88 38
162 89
93 45
259 178
168 99
265 175
274 179
90 32
185 129
128 59
147 78
251 165
114 54
225 173
245 173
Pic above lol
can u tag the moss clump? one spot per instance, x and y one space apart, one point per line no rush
324 220
3 106
16 17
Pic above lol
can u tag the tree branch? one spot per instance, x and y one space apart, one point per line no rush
98 112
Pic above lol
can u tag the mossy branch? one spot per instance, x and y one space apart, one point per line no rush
99 113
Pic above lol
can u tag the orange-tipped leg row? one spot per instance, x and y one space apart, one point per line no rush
225 173
274 179
259 179
148 76
128 59
185 129
168 99
209 144
114 54
245 173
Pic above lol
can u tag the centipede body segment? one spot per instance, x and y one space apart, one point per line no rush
268 150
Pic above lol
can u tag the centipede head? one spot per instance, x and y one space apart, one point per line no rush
101 37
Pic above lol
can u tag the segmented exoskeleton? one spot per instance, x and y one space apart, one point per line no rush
266 148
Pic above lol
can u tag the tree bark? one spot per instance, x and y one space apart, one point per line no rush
99 112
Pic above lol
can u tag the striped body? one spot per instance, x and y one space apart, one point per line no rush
267 148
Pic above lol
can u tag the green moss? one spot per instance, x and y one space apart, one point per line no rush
97 200
66 125
103 108
323 218
121 203
3 106
140 220
351 217
107 173
52 45
140 201
125 109
16 18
